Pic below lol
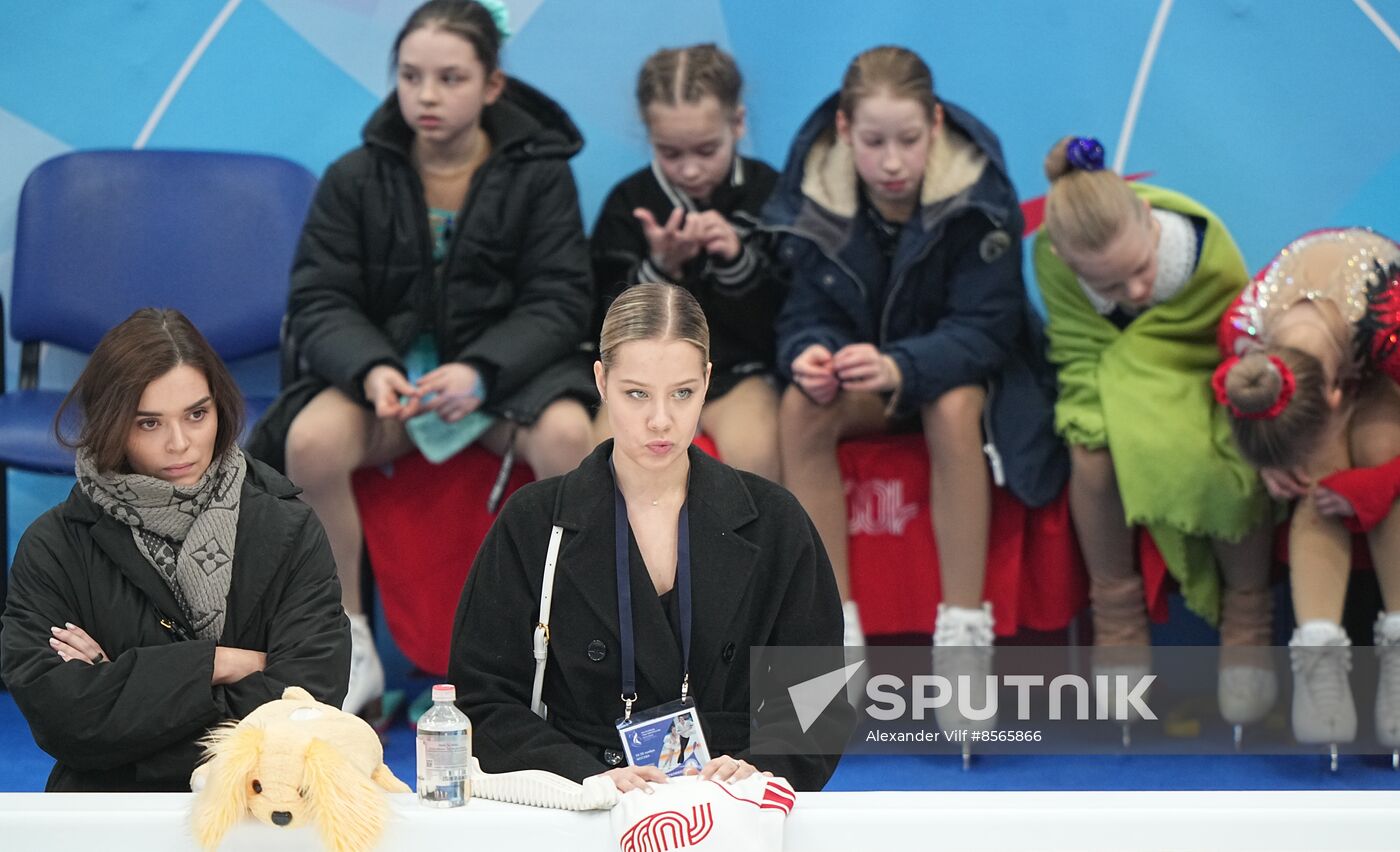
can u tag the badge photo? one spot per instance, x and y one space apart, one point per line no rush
667 737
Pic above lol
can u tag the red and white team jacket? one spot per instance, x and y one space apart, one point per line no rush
686 813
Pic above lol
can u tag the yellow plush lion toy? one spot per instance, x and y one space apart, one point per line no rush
295 762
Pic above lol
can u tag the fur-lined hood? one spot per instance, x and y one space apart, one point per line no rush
829 170
965 168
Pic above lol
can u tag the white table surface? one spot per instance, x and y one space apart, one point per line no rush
1234 821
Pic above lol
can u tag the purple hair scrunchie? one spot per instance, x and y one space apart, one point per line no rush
1085 153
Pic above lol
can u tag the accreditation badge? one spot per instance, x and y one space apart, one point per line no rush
667 736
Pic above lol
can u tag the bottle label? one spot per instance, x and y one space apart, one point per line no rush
446 754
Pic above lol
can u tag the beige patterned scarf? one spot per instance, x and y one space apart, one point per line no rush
186 532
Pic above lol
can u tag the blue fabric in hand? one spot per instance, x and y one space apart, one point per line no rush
435 438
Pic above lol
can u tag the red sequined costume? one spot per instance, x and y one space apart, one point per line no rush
1365 287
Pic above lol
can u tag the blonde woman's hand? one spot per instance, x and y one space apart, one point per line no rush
726 768
72 642
629 778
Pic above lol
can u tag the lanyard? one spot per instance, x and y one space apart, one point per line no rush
624 599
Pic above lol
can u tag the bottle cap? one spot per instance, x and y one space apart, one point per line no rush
444 692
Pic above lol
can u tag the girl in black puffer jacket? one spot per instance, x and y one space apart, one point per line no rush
441 289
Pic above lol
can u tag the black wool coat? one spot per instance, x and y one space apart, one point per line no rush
514 295
760 576
132 724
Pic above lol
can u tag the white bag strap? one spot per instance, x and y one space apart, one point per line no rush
542 628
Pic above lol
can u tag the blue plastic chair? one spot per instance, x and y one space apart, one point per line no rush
103 233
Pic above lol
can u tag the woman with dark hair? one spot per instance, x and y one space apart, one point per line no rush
181 583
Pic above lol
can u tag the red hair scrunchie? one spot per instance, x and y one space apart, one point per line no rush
1285 392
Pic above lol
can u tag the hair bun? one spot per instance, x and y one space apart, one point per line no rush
1084 153
1253 383
1256 387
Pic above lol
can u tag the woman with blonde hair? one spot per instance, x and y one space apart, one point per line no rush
670 567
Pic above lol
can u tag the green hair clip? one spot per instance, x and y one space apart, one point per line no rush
501 15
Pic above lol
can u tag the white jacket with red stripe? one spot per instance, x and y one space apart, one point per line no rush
687 813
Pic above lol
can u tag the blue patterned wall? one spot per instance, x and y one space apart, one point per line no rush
1280 114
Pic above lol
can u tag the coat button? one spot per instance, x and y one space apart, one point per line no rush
597 650
613 757
728 653
828 280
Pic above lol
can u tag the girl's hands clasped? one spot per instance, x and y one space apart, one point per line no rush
862 367
1285 483
455 391
684 236
815 374
857 367
384 387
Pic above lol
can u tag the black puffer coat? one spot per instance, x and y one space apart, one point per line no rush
514 296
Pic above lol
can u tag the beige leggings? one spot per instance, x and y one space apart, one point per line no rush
1319 547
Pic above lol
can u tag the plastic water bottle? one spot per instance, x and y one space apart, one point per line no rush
444 752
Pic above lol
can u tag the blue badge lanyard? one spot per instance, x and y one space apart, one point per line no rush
624 599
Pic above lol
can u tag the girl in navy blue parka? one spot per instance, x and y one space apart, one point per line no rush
902 234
